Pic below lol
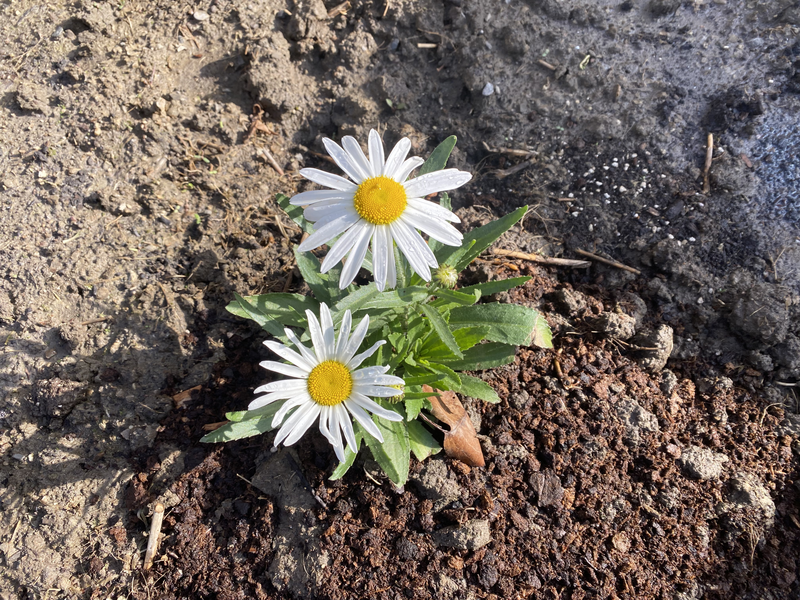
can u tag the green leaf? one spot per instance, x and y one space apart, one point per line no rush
438 158
274 311
451 378
394 454
421 379
259 422
495 287
349 455
422 443
456 297
507 323
354 301
442 330
466 338
484 356
476 388
483 237
413 406
399 298
309 268
295 213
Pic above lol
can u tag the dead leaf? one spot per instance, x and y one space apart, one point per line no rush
181 398
461 441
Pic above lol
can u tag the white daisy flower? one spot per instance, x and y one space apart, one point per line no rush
378 207
327 383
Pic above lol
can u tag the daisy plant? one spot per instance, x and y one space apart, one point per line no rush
417 326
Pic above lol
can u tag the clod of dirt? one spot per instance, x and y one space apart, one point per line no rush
32 97
760 314
616 325
654 348
435 481
746 515
702 463
548 488
569 302
299 564
472 535
57 397
6 308
636 419
748 491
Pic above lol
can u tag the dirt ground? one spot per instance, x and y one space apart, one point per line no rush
652 454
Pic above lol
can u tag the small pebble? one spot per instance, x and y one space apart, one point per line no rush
488 89
200 15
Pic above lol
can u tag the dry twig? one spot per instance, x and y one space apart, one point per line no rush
545 260
707 167
152 539
608 261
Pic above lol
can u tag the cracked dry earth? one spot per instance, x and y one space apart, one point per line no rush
652 454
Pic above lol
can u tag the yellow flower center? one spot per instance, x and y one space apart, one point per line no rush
380 200
330 383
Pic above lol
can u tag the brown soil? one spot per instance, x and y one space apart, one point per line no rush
134 205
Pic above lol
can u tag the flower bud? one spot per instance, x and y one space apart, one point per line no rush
446 276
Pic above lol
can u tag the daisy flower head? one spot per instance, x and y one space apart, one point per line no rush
378 207
326 383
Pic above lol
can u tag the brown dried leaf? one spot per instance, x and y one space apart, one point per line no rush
461 441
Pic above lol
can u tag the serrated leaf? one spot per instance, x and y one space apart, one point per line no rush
441 329
466 338
399 298
495 287
483 237
542 335
476 388
349 455
483 356
456 297
394 454
354 301
273 312
260 422
309 265
295 213
438 158
422 443
507 323
421 379
450 379
413 406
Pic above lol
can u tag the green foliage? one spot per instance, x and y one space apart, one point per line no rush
434 334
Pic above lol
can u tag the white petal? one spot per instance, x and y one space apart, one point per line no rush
307 354
328 179
374 408
355 340
438 230
328 333
344 333
342 158
343 245
357 155
327 232
325 414
391 270
289 405
295 420
287 353
327 208
347 426
376 391
438 181
284 386
336 433
381 247
406 240
396 157
314 196
432 209
311 414
359 358
369 372
376 158
284 369
355 259
268 399
317 338
364 420
386 380
405 169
